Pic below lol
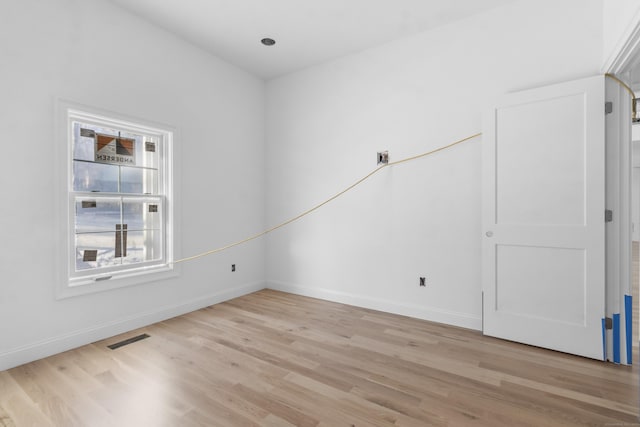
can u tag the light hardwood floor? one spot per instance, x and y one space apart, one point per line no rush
274 359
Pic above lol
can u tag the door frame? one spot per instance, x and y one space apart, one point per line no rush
618 230
621 61
626 53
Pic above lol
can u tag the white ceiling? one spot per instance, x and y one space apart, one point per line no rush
306 32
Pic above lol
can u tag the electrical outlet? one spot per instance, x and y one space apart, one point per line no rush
233 267
423 281
382 157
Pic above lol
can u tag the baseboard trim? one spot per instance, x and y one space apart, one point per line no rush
432 314
28 353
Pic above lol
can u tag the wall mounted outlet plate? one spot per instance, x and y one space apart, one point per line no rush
383 157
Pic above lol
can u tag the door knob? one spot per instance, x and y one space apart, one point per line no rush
489 234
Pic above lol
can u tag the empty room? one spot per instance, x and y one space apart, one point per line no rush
337 213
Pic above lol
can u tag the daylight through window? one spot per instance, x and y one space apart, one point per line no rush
118 198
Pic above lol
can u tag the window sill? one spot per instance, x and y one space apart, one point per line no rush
94 284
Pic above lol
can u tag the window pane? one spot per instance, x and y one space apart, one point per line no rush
104 246
146 148
99 214
143 246
142 214
83 146
95 177
138 180
151 149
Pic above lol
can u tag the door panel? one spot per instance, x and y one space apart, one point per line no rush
525 287
529 197
543 217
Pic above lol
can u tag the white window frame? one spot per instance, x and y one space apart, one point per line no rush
70 283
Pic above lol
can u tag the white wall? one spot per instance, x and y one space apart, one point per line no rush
325 125
619 19
93 53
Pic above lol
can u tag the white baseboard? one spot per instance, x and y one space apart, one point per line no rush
55 345
432 314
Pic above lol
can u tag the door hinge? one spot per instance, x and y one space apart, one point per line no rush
608 107
608 323
608 215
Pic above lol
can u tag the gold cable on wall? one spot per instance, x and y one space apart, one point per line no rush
631 93
318 206
361 180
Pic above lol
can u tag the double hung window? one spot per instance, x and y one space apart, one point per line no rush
119 195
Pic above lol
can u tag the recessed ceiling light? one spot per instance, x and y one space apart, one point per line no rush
267 41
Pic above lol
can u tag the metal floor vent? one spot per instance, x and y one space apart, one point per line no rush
127 341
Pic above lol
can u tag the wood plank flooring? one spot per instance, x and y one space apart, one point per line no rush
275 359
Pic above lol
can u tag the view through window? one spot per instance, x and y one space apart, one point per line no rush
118 197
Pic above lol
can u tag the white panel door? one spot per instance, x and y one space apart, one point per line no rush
543 218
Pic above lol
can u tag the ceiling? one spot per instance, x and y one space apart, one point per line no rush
306 32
